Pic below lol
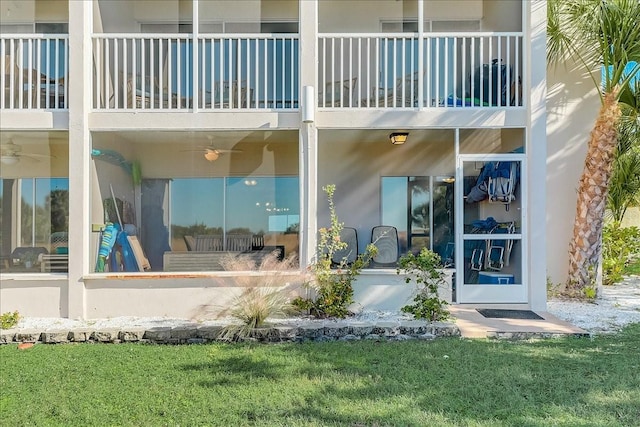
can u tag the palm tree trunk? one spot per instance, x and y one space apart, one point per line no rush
584 249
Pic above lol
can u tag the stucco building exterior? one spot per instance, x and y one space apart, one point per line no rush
214 125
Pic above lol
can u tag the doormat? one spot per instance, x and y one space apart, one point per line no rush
508 314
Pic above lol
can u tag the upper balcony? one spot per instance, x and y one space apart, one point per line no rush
34 54
250 72
245 56
402 70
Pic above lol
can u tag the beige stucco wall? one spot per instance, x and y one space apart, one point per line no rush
17 11
29 11
356 163
631 218
572 106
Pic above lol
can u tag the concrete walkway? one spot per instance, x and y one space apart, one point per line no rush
474 325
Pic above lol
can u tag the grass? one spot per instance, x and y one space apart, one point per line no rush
446 382
633 268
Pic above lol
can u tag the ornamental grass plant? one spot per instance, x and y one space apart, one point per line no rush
264 295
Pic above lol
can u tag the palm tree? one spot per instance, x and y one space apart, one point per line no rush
595 34
624 187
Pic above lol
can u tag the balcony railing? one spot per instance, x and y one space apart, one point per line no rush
384 71
35 71
260 71
255 71
158 72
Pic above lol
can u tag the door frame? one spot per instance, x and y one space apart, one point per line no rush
489 294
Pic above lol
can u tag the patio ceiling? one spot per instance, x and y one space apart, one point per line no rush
230 139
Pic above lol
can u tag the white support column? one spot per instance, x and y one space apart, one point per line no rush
535 24
80 28
308 132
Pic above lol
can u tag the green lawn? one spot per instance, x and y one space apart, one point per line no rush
565 382
633 268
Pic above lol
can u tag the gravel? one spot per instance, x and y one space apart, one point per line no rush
618 306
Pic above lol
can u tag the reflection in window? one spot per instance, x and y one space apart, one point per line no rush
207 214
34 213
421 208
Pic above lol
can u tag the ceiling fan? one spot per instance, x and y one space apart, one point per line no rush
11 153
211 152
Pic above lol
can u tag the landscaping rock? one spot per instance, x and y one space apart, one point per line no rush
7 336
388 329
361 329
27 336
443 329
159 334
265 334
312 331
131 335
374 337
105 335
336 331
413 327
184 332
209 333
80 335
287 333
316 331
55 336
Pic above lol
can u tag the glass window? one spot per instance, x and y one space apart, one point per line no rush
492 216
234 214
193 197
197 208
421 208
40 224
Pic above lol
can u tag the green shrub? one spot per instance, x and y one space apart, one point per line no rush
333 288
8 320
619 246
427 272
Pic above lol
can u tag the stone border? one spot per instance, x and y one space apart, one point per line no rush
521 336
200 334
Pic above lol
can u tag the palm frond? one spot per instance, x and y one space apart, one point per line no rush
595 34
624 186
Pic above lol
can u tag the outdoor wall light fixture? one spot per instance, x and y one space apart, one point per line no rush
398 138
